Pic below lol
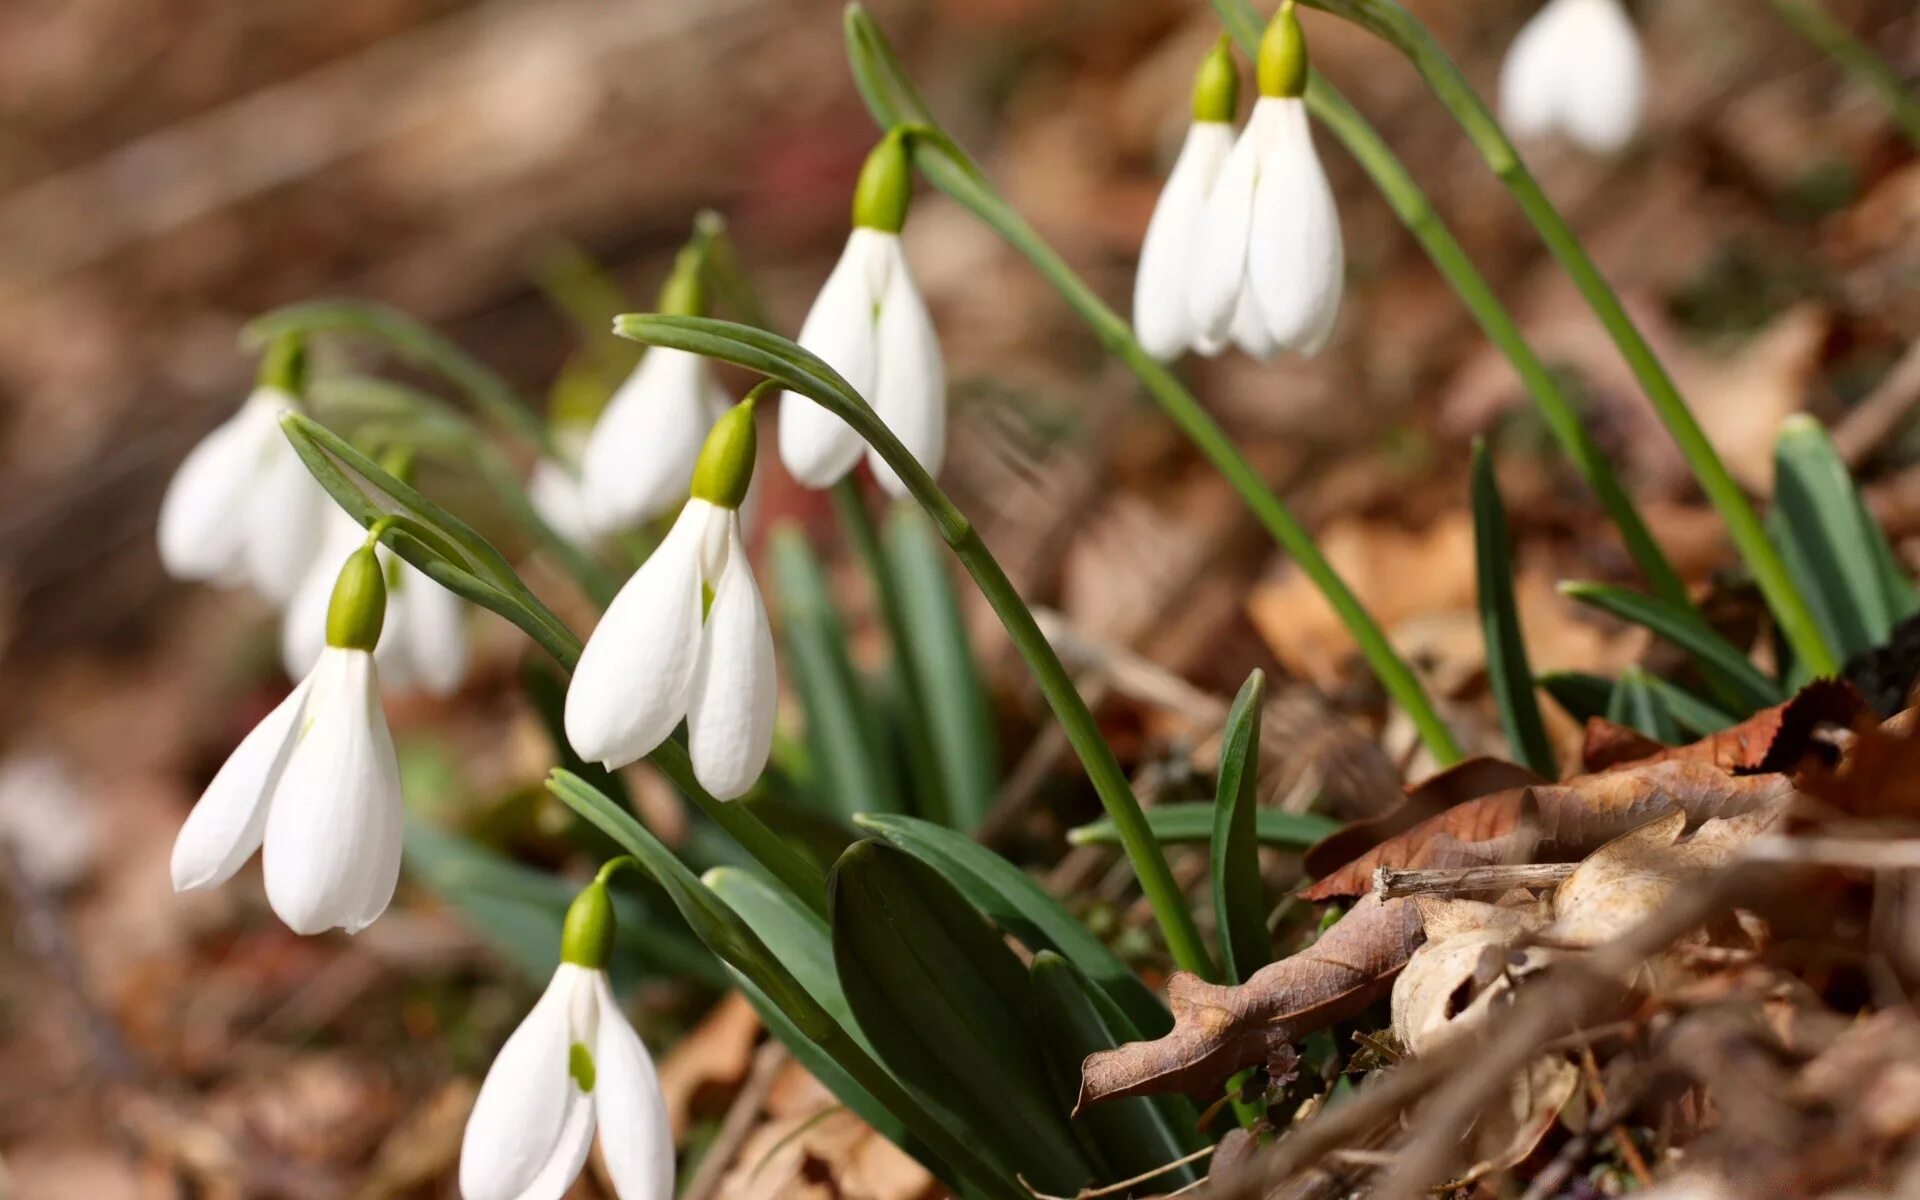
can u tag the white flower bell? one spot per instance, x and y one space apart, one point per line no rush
661 653
242 508
869 324
1163 318
315 786
574 1063
639 458
1576 68
423 643
1270 264
558 495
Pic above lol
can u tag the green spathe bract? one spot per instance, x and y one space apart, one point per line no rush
1282 65
1216 86
886 185
586 938
358 609
725 467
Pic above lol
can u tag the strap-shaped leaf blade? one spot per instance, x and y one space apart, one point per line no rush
1637 705
1239 904
1176 824
1508 672
1585 695
1018 904
1713 652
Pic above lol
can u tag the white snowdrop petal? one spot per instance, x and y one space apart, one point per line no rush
816 446
636 1139
332 812
1249 331
1576 67
1220 256
303 624
225 827
284 516
735 689
432 622
910 387
631 686
200 537
1295 261
559 497
639 459
516 1128
1162 315
1530 77
378 872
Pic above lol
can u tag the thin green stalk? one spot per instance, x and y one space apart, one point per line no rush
948 168
1416 212
797 370
1393 24
1856 58
856 521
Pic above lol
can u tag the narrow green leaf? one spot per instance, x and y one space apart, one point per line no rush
1637 705
1833 547
1239 902
1713 652
1131 1136
945 1002
1018 904
735 942
1174 824
1507 669
932 643
852 772
1581 694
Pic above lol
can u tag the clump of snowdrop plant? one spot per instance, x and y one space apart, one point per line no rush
574 1063
1163 318
423 642
316 786
1576 68
639 458
1268 265
662 652
869 324
241 508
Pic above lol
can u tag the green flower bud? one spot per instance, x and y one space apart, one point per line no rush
1216 88
886 185
284 366
685 292
359 605
725 466
586 939
1283 56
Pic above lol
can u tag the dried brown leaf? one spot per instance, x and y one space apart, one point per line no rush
1450 788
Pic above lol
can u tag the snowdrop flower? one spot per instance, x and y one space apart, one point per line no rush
639 458
242 508
423 642
1162 316
1269 264
316 782
1575 68
558 495
869 324
661 653
574 1063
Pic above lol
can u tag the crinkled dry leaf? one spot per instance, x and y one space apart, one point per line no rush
1773 739
1627 880
1505 1135
1463 973
1434 795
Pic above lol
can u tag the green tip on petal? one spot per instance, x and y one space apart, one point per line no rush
586 938
397 461
358 608
886 185
725 467
685 292
1216 88
580 1065
284 366
1283 56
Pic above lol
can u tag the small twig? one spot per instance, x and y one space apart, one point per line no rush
1867 854
1597 1091
1874 419
1390 883
1124 1184
738 1122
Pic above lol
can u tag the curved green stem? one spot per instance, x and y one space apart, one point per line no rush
944 165
1856 58
800 371
1393 24
1415 211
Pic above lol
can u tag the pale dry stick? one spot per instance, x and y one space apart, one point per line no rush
1865 854
1124 1184
1873 420
1391 883
738 1122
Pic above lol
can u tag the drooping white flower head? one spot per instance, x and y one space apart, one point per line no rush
242 508
556 492
316 783
575 1063
662 653
1163 318
640 455
1270 266
869 324
1577 69
423 642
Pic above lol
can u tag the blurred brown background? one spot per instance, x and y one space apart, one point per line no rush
170 168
